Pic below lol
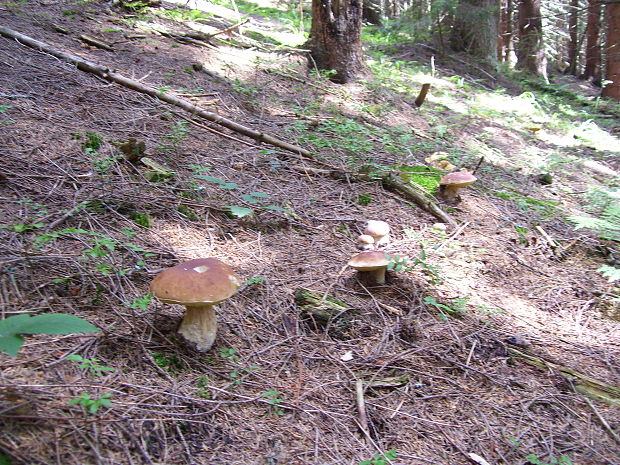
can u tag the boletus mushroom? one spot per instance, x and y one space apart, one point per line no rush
379 230
197 284
451 183
365 242
371 266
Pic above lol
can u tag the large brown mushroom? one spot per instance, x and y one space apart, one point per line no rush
371 266
451 183
197 284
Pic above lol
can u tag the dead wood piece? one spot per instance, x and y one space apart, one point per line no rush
587 386
422 95
110 76
324 313
90 40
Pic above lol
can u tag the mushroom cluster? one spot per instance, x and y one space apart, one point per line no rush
197 284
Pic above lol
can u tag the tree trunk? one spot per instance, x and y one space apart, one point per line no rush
335 38
530 51
507 43
475 29
573 37
372 12
593 48
612 52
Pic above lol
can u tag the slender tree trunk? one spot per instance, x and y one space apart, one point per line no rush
335 38
530 52
475 29
612 52
593 48
573 34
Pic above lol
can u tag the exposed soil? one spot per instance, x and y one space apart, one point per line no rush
440 383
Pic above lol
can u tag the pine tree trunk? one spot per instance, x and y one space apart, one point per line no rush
612 52
475 29
593 49
335 38
506 40
530 51
573 35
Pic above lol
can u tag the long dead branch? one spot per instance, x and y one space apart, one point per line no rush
110 76
423 200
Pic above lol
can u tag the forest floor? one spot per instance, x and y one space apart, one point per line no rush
498 343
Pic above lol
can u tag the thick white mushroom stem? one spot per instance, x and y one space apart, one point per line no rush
374 276
448 192
199 326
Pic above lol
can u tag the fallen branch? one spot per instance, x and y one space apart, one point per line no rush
583 384
110 76
418 196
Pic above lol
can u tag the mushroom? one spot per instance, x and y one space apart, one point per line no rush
379 230
450 184
371 266
365 242
197 284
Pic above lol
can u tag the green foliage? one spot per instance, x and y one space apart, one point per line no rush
90 364
4 460
171 363
274 400
92 404
141 303
141 219
12 327
93 141
99 254
397 263
423 176
381 459
203 383
455 307
229 353
610 272
605 208
255 280
178 132
534 460
257 200
364 199
185 14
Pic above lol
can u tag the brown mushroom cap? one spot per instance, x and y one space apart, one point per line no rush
368 261
376 228
196 282
458 179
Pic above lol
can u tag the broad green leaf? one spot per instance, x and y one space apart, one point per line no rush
11 344
275 208
261 195
248 198
52 323
240 212
610 272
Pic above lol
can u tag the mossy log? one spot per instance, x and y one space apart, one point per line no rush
323 312
587 386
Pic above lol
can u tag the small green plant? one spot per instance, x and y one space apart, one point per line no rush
455 307
256 199
610 272
364 199
90 364
12 327
274 400
92 404
170 363
229 353
397 263
563 460
604 205
140 303
256 280
178 132
203 383
381 459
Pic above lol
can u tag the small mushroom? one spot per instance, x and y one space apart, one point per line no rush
365 242
197 284
451 183
379 230
371 266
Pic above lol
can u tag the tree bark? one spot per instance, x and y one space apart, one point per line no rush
530 51
335 38
475 29
593 48
612 52
573 37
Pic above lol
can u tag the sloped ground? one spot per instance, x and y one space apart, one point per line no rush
277 387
